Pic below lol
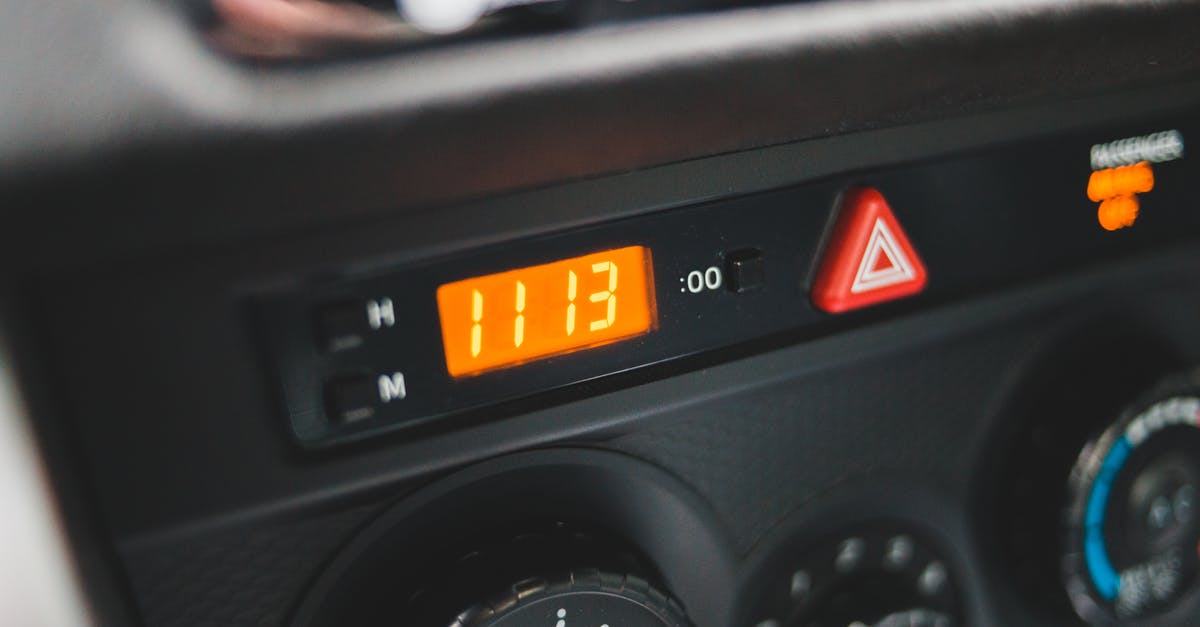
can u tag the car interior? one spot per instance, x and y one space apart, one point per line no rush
599 313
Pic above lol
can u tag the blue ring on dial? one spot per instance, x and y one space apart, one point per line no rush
1104 576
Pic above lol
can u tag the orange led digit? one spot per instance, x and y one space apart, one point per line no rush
500 320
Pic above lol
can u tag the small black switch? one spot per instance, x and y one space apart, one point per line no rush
351 398
744 270
341 326
345 324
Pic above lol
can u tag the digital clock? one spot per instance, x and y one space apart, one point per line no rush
500 320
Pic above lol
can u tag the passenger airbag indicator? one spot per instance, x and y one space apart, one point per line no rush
1122 169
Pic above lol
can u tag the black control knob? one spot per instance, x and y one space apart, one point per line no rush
1133 524
543 575
588 598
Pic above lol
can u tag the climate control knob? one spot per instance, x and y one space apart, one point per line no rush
581 599
1133 530
543 575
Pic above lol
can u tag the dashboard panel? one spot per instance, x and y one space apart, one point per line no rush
909 285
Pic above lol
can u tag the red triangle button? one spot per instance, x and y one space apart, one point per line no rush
869 259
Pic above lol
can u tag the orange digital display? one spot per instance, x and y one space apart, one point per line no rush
500 320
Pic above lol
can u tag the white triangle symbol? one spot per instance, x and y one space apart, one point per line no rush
870 276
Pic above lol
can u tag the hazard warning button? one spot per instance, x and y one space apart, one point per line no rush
868 259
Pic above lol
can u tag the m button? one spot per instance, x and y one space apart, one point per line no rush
351 398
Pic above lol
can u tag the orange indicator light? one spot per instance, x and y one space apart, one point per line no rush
1118 212
1116 190
1122 181
501 320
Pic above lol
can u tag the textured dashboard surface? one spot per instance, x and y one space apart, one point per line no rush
244 576
759 457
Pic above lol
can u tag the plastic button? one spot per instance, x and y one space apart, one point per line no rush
351 398
341 326
744 270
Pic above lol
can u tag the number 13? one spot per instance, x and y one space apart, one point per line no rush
608 295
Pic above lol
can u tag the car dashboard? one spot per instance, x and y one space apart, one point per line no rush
600 314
